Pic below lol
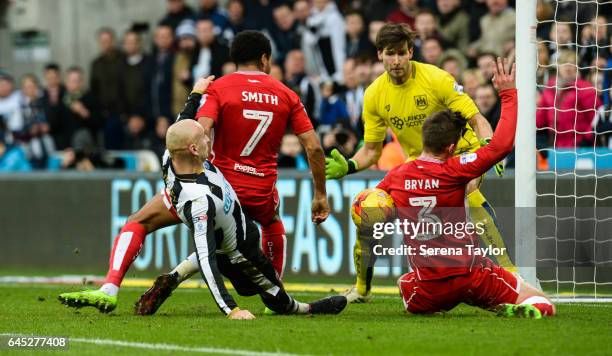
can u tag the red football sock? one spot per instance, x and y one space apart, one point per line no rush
542 304
273 245
126 247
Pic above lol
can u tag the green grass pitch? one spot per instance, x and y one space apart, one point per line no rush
190 320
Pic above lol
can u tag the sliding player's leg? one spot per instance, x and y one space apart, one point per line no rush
481 212
495 288
251 271
261 205
164 285
154 215
429 297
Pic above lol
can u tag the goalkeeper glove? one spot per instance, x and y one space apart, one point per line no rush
499 166
337 166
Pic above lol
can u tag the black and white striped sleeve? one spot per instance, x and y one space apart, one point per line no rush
201 213
191 107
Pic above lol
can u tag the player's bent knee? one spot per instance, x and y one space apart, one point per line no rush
153 215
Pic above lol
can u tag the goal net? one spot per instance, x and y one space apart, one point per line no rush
573 185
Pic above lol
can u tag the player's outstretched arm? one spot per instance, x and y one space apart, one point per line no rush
337 166
316 160
193 99
475 164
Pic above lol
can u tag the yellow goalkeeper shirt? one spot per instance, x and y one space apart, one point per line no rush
405 107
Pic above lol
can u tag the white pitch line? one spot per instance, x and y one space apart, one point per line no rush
167 347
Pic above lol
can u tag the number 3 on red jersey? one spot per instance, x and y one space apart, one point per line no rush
265 119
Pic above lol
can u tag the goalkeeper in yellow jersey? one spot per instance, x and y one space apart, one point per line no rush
401 99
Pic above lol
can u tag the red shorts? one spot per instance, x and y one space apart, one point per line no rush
485 286
259 204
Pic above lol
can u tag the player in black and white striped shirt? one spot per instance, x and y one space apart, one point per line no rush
226 241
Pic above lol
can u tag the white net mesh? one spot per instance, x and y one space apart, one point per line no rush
574 139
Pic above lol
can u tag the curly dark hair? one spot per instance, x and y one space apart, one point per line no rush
249 46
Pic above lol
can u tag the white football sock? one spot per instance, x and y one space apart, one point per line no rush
110 289
187 268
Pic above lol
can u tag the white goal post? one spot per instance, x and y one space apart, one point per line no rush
574 260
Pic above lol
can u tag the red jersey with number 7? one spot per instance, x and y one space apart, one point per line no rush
432 192
252 112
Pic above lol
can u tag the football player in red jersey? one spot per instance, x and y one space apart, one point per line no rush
446 269
249 112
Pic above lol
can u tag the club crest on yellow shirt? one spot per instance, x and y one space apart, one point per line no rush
421 102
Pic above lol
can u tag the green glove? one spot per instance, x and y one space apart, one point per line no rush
336 166
499 166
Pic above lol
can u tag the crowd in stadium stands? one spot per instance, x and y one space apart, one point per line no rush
323 50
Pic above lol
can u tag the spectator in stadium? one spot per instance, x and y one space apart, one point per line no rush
291 154
55 110
85 156
237 21
471 79
12 157
477 9
301 12
38 143
323 42
161 77
373 29
357 43
176 12
299 82
135 77
276 72
158 141
378 10
431 51
228 68
453 22
405 12
496 28
212 54
81 117
568 106
487 102
137 135
363 70
10 110
210 10
453 62
543 71
561 38
352 96
182 78
104 85
260 11
333 111
284 34
426 27
377 70
486 64
340 139
594 42
544 13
